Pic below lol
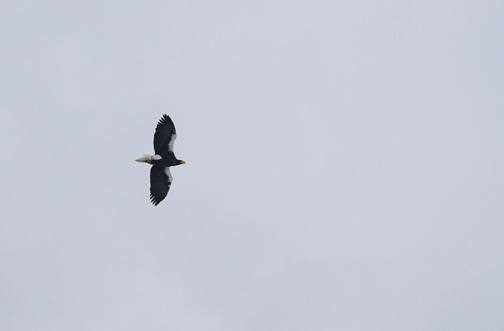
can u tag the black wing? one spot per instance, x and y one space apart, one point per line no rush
165 136
160 181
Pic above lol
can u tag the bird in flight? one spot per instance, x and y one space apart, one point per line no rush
160 177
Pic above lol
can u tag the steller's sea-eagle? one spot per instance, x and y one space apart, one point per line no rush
160 177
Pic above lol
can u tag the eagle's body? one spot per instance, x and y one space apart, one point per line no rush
160 177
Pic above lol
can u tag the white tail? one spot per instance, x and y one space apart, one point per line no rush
147 158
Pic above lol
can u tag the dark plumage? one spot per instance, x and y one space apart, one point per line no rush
160 177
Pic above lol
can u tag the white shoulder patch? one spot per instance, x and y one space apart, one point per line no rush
167 171
172 140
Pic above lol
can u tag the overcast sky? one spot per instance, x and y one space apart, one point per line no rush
344 165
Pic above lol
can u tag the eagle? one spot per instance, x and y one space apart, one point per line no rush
162 160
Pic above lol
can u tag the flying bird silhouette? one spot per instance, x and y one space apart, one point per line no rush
160 177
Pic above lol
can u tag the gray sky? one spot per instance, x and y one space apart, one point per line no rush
344 165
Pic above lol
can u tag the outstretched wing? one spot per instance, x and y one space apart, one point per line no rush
160 181
165 136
